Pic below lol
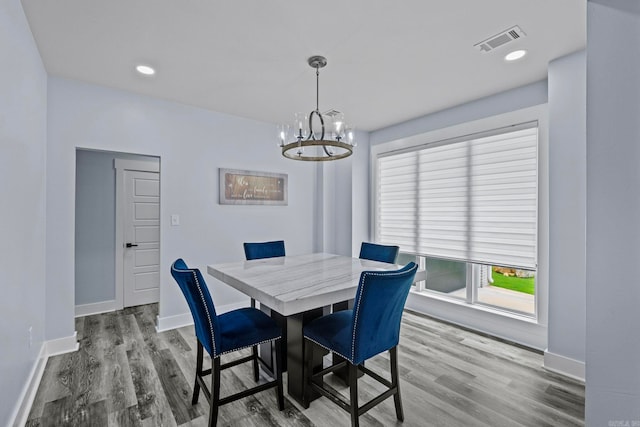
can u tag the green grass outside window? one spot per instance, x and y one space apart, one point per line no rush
518 284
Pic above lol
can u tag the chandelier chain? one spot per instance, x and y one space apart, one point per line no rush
317 89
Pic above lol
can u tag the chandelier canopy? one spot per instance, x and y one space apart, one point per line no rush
333 139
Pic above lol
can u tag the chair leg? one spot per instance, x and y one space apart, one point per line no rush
395 382
196 387
353 388
279 359
215 391
256 371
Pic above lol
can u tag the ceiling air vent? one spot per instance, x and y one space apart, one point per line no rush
500 39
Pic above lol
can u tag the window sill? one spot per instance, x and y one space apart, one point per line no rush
521 329
531 318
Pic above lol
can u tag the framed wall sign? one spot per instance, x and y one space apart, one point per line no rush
241 187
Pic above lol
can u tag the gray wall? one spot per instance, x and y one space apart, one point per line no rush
23 121
360 197
515 99
567 206
345 201
192 143
613 212
95 226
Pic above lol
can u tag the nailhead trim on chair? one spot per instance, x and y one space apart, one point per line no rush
331 350
213 340
204 302
355 323
248 346
357 306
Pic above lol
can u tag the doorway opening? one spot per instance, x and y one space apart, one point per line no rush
117 202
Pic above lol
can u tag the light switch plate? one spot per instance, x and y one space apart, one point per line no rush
175 219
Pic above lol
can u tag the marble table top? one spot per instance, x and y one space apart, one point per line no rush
294 284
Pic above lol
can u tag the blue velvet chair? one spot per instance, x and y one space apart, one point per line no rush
226 333
259 250
372 327
382 253
264 250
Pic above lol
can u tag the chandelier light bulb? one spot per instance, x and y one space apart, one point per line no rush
351 136
283 134
338 126
300 125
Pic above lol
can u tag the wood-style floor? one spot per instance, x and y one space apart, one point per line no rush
126 374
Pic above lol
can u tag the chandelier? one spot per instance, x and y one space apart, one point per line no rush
335 140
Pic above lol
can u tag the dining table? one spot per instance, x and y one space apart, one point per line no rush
294 290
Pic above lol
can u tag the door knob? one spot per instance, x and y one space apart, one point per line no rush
130 245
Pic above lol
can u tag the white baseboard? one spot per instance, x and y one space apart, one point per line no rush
173 322
95 308
48 349
63 345
28 394
565 366
185 319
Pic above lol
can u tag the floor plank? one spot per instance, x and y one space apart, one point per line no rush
127 374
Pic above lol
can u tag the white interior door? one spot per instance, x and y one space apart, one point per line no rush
141 227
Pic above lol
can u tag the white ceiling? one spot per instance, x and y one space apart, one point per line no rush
387 61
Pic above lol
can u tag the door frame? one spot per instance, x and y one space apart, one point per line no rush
122 165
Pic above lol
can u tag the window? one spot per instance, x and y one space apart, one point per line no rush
466 208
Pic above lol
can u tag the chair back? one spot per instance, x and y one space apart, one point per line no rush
382 253
200 303
264 250
377 311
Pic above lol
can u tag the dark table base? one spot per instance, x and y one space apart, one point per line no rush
293 341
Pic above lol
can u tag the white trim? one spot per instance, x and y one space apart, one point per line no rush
49 348
119 257
121 165
168 323
137 165
95 308
536 112
23 406
564 366
63 345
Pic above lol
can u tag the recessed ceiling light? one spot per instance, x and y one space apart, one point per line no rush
146 70
516 54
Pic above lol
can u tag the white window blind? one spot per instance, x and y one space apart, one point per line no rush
472 199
